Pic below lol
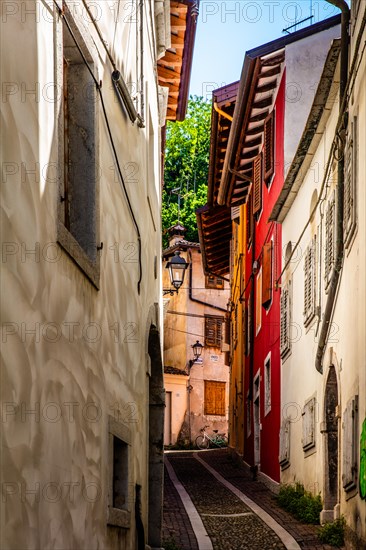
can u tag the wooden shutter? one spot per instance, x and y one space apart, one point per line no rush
348 187
285 340
235 213
213 330
214 282
309 281
214 398
350 445
249 219
350 177
308 425
257 184
267 274
284 458
268 148
329 239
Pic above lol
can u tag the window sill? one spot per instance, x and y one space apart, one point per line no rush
119 518
90 269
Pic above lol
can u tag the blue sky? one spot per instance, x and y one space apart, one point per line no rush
226 29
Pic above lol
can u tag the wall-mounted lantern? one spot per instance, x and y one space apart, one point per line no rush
177 267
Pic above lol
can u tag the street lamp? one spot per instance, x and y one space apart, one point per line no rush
177 268
197 350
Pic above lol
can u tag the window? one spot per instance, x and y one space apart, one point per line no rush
284 458
350 445
214 282
350 168
120 473
215 398
268 148
78 227
257 185
258 302
329 240
119 497
308 425
249 220
267 385
285 339
267 274
310 281
213 331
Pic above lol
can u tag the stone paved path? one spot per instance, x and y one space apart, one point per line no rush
230 524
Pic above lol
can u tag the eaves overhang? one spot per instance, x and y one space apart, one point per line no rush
223 105
174 68
259 82
326 95
215 232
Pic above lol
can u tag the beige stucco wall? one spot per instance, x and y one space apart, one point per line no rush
71 353
182 331
177 385
346 343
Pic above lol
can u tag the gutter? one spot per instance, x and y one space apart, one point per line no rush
190 289
333 288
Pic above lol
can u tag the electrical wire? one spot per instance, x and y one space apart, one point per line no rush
98 87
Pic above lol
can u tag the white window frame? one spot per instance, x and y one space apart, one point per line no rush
258 302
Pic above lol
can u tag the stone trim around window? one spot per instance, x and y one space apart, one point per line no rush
119 516
78 223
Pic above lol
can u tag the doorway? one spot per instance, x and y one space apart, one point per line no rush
330 432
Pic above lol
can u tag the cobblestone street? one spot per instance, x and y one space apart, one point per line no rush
210 501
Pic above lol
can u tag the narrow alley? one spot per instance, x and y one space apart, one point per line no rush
212 502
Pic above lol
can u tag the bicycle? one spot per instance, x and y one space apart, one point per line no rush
204 441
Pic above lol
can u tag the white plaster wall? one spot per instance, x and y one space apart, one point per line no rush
304 64
88 357
300 380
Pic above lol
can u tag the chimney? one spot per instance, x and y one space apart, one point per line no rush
176 234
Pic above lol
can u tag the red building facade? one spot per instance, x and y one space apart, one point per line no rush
262 304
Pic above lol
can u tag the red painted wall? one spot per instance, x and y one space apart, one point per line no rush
268 338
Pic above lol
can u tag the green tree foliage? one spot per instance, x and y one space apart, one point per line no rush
186 168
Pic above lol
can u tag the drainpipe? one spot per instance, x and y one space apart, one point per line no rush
341 4
190 289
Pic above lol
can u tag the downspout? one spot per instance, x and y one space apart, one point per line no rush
190 288
221 112
341 4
